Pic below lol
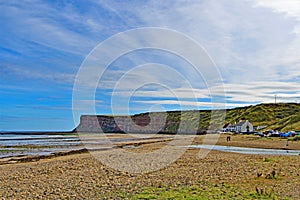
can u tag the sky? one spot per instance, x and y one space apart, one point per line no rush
253 46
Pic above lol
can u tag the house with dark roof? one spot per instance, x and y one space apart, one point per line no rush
227 127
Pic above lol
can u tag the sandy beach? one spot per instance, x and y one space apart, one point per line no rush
81 176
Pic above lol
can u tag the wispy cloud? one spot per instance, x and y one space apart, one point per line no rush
240 45
288 7
193 104
25 73
56 26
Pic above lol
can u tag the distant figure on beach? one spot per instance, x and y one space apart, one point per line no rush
287 143
228 138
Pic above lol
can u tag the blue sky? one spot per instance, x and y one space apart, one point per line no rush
253 43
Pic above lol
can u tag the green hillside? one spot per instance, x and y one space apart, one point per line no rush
281 116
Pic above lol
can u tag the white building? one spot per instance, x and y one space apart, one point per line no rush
241 127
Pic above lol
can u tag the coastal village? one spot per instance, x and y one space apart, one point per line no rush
245 127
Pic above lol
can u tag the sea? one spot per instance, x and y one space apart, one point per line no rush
44 144
30 144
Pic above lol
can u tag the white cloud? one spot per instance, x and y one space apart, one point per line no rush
289 7
237 95
255 92
193 104
252 42
31 74
62 27
242 37
180 93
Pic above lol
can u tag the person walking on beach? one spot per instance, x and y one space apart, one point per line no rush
228 138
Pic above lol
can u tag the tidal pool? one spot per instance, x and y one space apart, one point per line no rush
246 150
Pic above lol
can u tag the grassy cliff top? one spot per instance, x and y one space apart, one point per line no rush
280 116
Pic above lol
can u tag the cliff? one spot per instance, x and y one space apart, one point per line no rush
158 122
281 116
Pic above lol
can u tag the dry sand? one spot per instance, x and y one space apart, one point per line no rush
81 176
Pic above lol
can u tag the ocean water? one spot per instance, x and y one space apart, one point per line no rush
14 145
32 144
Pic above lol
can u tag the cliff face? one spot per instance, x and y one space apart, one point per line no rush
94 123
143 123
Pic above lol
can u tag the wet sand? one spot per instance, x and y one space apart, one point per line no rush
258 142
81 176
